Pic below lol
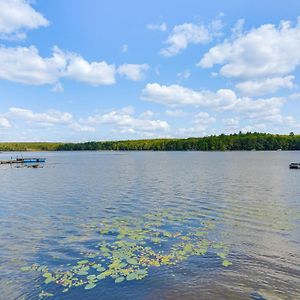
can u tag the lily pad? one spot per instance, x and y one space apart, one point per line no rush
226 263
101 276
222 255
82 262
47 275
49 280
119 279
132 261
96 266
90 286
131 276
142 271
101 269
91 277
82 272
44 294
129 247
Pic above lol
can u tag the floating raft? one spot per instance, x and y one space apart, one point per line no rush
23 161
295 166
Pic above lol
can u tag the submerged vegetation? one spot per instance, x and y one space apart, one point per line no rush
128 248
232 142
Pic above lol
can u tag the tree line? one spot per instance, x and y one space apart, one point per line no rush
232 142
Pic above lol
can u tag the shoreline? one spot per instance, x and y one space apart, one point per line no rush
231 142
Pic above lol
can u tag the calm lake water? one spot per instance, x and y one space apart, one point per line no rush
49 215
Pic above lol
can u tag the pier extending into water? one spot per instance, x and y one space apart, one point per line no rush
23 161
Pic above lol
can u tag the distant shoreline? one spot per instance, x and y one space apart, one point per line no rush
233 142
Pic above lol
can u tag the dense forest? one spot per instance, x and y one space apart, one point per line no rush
24 146
232 142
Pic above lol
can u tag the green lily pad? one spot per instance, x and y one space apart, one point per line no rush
91 277
131 276
222 255
49 280
47 275
26 269
218 245
90 286
82 262
101 269
226 263
123 265
142 271
44 294
135 245
96 266
119 279
82 273
101 276
132 261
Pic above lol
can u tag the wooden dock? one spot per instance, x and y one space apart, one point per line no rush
22 161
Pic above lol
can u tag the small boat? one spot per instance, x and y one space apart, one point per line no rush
294 165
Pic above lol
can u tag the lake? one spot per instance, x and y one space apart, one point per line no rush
151 225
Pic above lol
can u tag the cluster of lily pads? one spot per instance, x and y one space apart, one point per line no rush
129 247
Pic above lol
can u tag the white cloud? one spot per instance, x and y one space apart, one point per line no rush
158 26
266 51
183 35
223 99
237 30
175 113
231 125
157 70
124 120
188 33
192 131
260 108
17 16
4 123
45 120
176 95
203 118
185 74
200 124
231 122
57 88
255 128
264 111
81 128
147 114
124 48
265 86
25 65
133 72
49 118
94 73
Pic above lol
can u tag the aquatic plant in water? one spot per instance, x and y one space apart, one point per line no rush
129 247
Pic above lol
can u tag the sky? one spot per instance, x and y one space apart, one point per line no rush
81 70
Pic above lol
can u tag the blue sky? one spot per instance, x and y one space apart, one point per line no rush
78 70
